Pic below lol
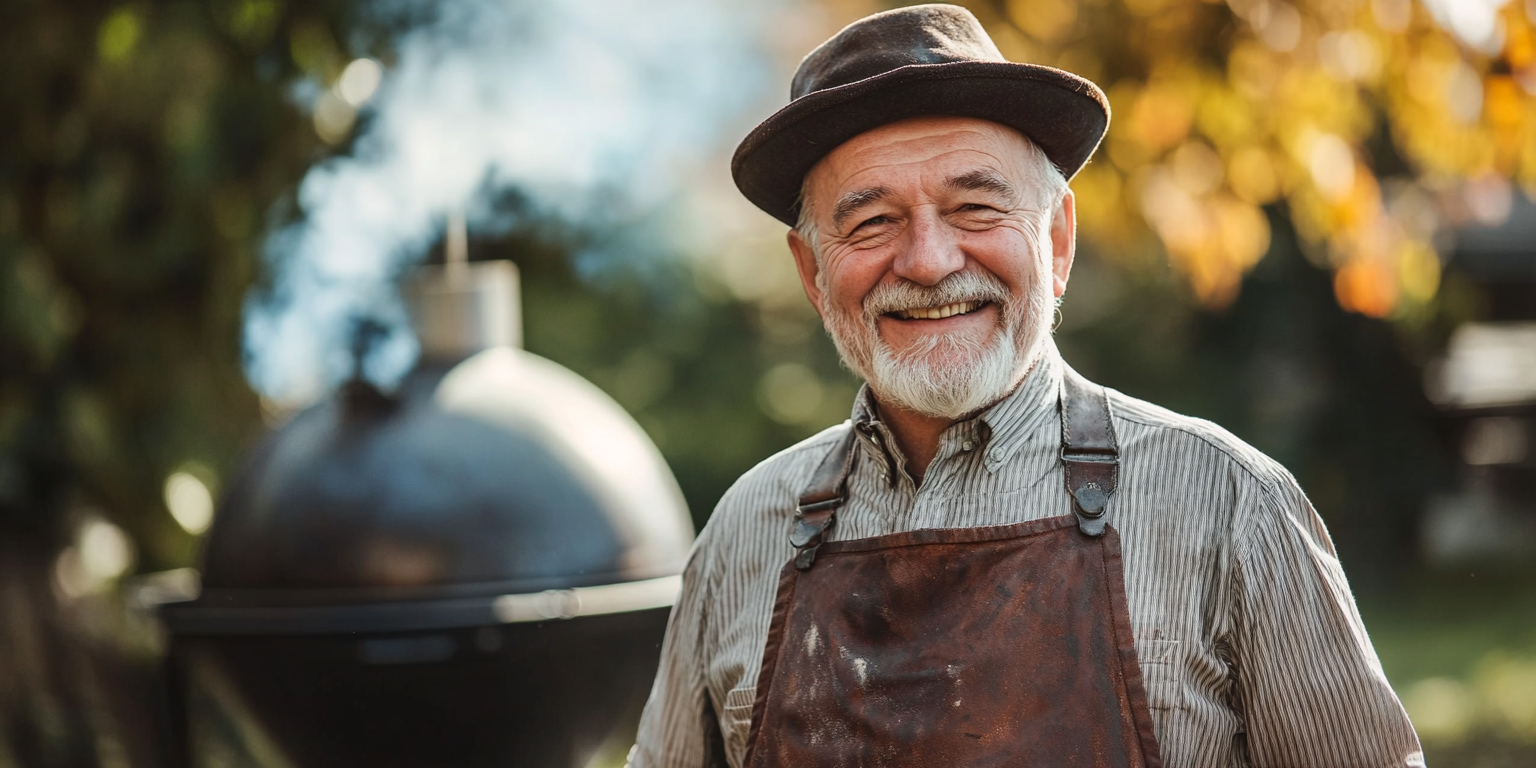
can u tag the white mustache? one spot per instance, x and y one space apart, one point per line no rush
955 288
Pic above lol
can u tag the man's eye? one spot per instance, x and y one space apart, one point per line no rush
976 207
875 221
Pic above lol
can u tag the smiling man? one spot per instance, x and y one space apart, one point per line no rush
994 561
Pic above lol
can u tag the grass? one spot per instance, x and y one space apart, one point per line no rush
1459 646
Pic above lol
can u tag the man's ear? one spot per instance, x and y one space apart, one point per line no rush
1063 242
805 262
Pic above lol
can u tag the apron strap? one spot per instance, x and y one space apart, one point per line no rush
1089 450
818 505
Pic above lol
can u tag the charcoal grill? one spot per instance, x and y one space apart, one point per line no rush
473 570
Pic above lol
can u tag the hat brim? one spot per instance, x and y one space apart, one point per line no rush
1065 115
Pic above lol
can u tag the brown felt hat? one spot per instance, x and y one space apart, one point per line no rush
910 62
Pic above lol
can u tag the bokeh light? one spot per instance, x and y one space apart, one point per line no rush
189 502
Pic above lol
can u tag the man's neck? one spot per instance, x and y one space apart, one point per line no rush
917 435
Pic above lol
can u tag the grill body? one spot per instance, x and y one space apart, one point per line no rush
475 570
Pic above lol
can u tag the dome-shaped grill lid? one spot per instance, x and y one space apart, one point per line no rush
507 474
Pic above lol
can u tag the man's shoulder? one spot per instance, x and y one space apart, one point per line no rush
1167 436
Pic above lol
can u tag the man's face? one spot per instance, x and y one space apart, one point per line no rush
941 248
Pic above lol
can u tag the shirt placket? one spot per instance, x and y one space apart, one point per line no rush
891 508
957 448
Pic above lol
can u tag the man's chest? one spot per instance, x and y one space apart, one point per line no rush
1170 576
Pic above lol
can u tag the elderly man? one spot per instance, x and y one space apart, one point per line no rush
995 562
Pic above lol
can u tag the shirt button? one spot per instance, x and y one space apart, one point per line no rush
996 454
969 445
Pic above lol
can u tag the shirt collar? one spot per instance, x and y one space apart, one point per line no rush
1031 410
876 439
1002 430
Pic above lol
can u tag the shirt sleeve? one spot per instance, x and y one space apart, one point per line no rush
1309 685
675 730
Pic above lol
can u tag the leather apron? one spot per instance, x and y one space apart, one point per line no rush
996 646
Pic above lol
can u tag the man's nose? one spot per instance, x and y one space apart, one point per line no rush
931 253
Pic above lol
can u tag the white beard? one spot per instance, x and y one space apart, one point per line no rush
945 376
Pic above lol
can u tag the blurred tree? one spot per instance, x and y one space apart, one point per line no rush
143 143
1375 123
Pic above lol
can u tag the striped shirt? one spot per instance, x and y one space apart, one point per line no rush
1251 648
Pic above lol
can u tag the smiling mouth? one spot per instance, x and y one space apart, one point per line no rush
938 313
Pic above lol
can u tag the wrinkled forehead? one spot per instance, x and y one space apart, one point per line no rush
921 149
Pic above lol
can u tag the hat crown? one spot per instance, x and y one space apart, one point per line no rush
919 34
924 60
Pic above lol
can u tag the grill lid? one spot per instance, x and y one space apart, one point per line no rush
501 477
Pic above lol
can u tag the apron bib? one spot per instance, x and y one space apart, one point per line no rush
997 646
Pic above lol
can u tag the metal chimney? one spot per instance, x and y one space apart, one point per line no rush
459 308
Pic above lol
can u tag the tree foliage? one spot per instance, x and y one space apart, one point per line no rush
143 144
1374 126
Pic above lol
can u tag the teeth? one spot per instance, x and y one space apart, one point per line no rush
938 313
